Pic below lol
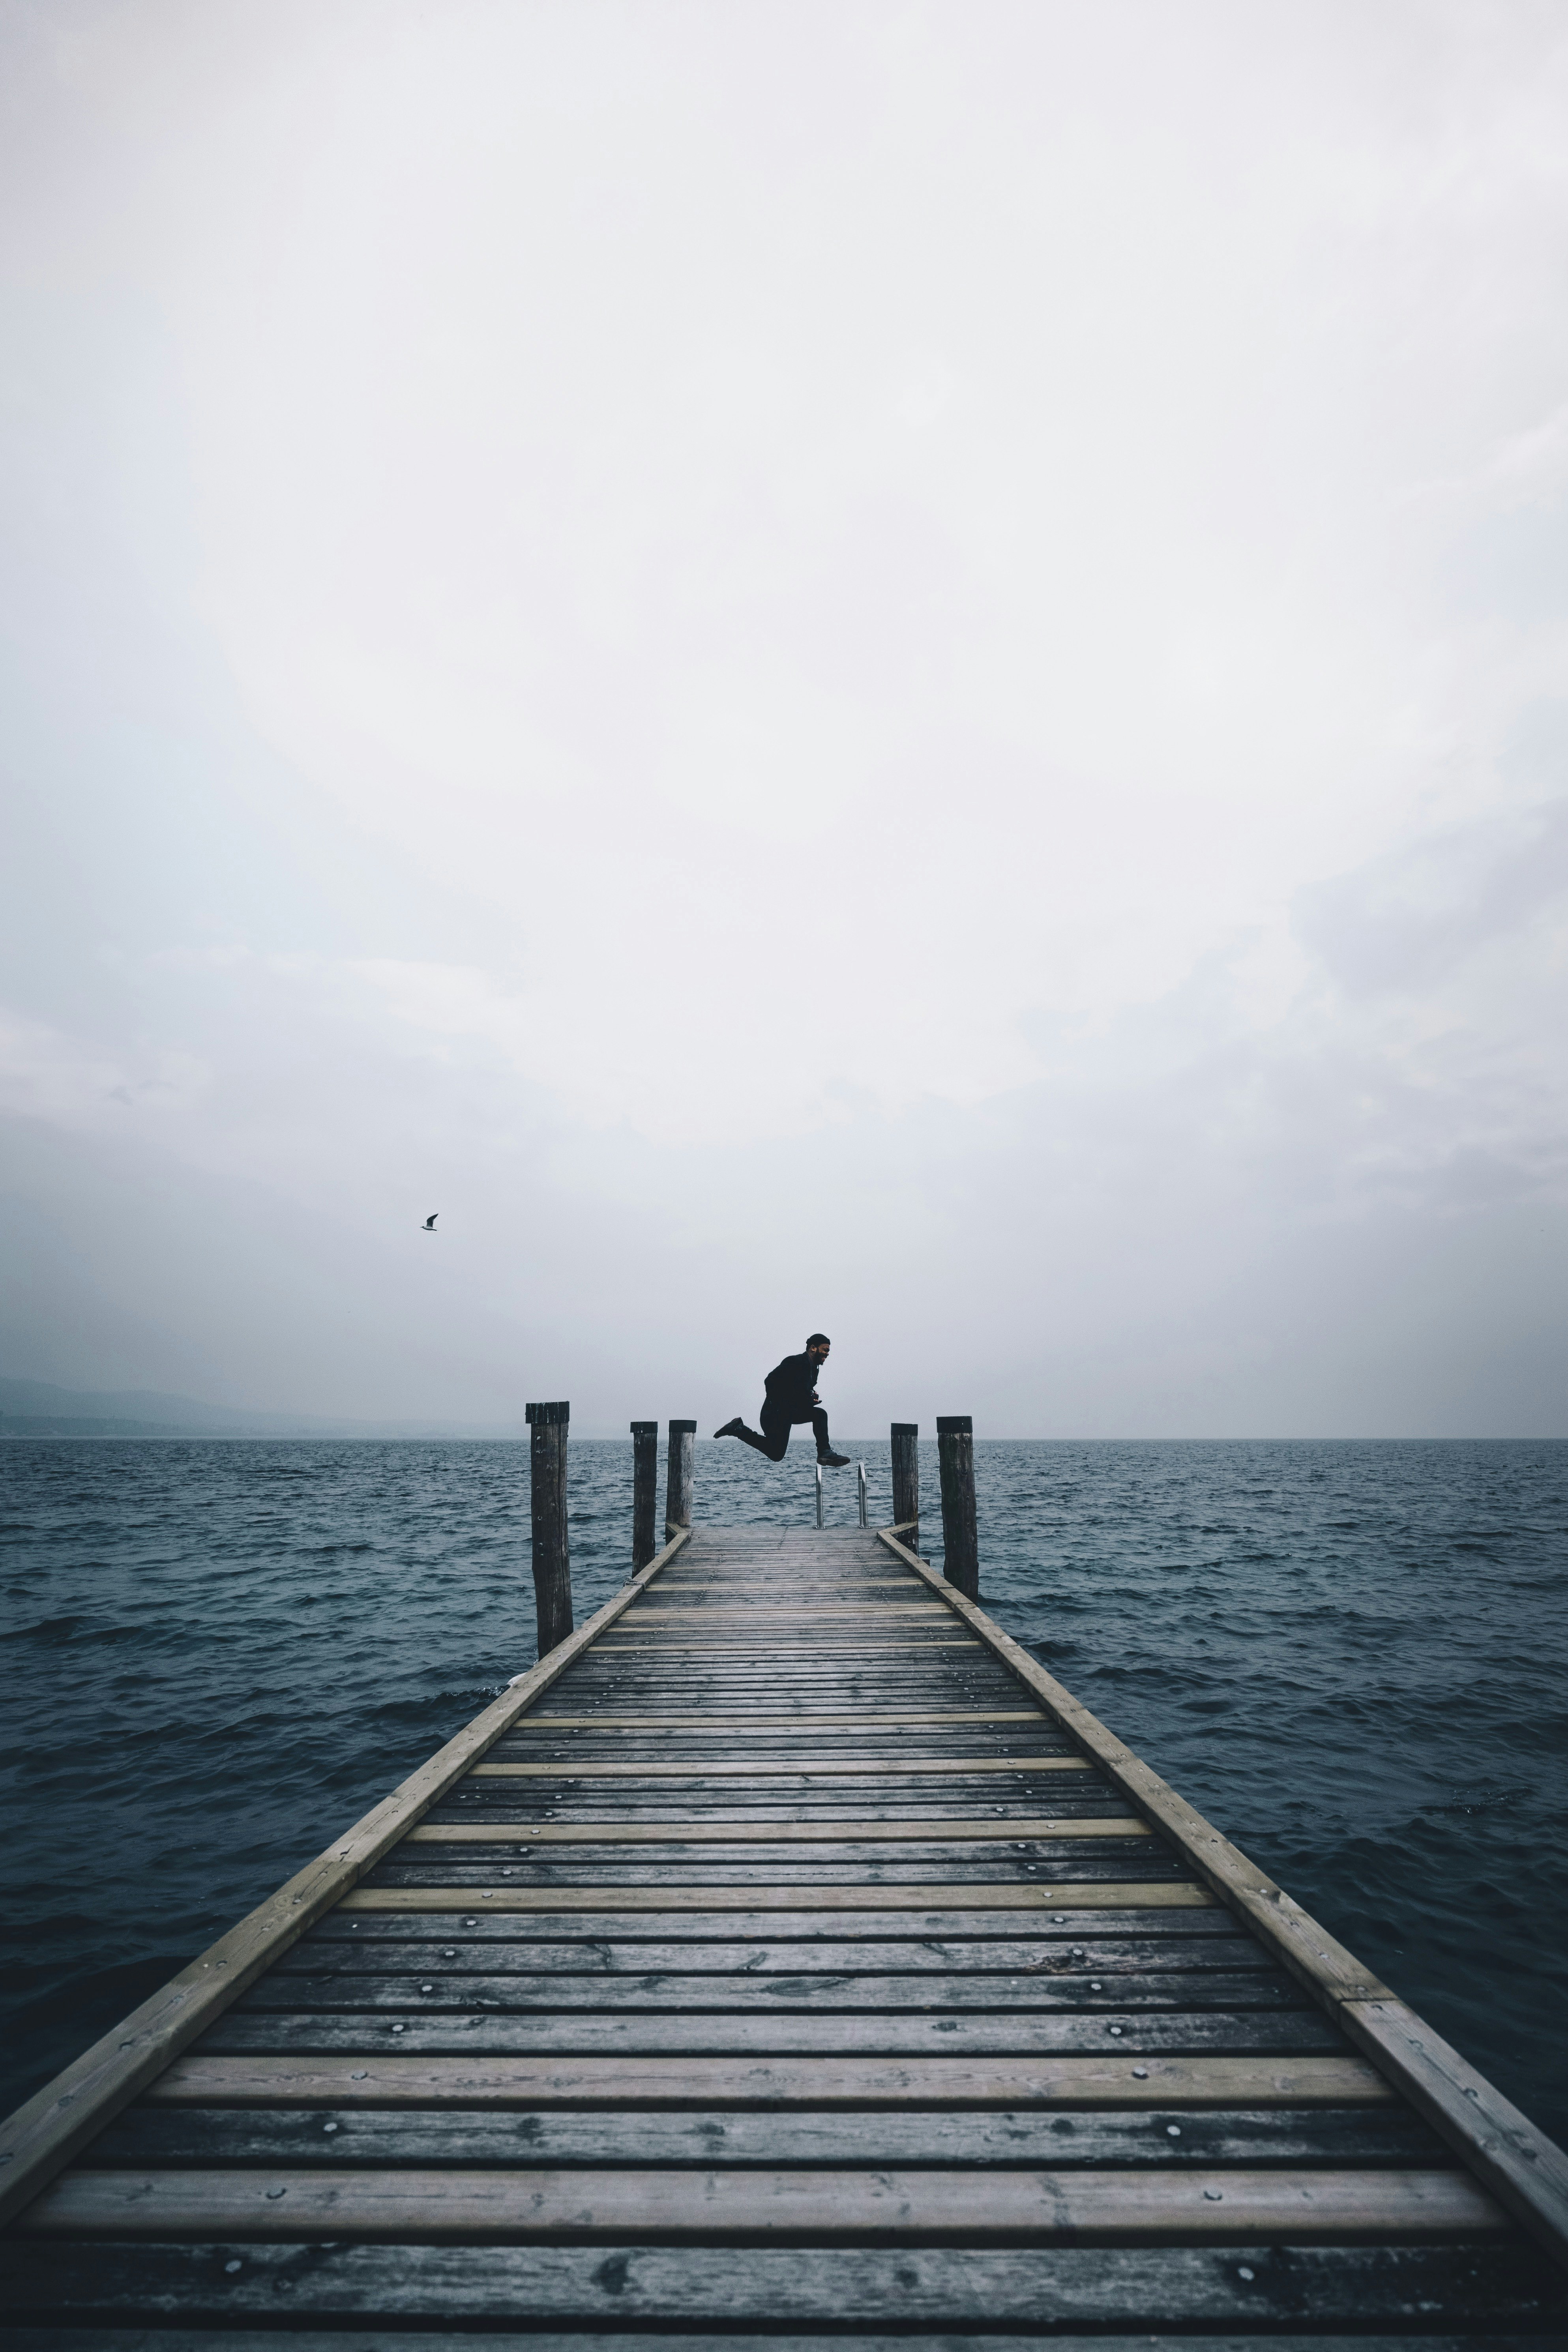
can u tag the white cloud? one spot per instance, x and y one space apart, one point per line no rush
66 1082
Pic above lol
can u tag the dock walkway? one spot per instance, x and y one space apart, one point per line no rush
787 1956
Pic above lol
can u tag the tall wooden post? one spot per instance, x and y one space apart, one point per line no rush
645 1491
959 1540
551 1555
678 1478
907 1479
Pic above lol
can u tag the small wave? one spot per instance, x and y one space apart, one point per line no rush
50 1630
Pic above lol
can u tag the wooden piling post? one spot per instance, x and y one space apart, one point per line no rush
645 1491
677 1478
960 1539
907 1479
551 1554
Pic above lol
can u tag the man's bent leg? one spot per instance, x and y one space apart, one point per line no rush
823 1450
773 1442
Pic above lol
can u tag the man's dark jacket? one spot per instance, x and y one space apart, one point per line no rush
790 1387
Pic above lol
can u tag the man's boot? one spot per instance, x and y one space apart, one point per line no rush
831 1461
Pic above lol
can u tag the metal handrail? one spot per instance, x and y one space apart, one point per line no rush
860 1481
819 1494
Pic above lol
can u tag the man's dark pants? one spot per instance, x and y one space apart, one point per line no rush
777 1423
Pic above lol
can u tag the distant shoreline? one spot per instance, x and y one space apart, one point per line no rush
20 1430
23 1426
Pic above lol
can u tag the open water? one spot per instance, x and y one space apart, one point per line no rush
1352 1657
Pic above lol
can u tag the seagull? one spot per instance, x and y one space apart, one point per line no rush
429 1224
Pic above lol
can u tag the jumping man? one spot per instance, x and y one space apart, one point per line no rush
791 1397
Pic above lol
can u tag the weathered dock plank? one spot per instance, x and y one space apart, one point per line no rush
1000 2204
1353 2289
819 2083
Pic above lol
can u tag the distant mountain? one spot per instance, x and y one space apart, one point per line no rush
39 1409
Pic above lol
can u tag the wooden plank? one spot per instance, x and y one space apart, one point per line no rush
475 1832
1013 1832
697 1795
907 2034
706 1778
1013 1848
815 1752
1097 1957
660 1697
971 1932
912 1768
179 2138
738 1859
786 1741
1000 2205
683 1789
811 1750
307 2339
1108 1895
742 1639
775 1613
824 1692
897 1677
918 1671
1102 2081
511 1813
442 1988
725 1767
896 1689
734 1713
788 1735
662 1704
889 1663
792 1791
913 2288
704 1763
1516 2161
867 1718
48 2129
702 1782
723 1651
824 1869
718 1581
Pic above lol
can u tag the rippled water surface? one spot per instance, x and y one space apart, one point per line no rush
1351 1657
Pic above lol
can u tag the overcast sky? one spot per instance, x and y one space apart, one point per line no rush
893 667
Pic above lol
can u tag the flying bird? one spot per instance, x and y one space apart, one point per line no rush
429 1224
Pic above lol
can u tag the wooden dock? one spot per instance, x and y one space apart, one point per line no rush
787 1956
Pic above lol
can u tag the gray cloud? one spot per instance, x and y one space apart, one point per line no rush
1405 921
